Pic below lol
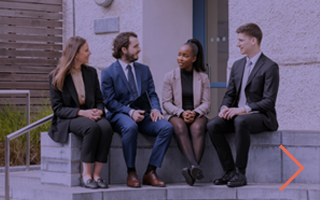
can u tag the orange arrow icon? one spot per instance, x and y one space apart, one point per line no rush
295 174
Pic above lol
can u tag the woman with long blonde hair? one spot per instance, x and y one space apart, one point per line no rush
78 108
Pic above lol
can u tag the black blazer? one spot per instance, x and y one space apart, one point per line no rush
65 104
261 89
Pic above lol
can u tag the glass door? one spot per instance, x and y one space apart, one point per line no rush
210 27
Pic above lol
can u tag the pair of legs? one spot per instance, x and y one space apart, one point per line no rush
129 130
191 147
190 138
243 126
97 137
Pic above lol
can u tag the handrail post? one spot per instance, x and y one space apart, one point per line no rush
28 134
7 166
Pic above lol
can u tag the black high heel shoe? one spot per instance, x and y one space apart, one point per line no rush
196 172
186 174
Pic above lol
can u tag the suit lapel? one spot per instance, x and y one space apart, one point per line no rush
196 86
71 88
239 75
177 87
122 75
87 86
138 77
256 68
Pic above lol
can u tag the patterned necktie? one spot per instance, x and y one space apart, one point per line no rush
132 83
246 73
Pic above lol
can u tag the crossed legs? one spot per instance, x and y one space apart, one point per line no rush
190 138
192 148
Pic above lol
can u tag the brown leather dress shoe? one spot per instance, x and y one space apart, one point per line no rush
152 179
132 180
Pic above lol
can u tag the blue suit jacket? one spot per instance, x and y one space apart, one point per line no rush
116 91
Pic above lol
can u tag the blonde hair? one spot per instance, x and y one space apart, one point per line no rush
66 62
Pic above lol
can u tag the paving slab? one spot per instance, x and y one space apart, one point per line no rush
173 191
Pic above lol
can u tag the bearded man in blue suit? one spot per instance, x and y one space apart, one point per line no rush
121 83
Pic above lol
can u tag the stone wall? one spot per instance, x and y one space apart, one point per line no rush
162 27
291 38
85 12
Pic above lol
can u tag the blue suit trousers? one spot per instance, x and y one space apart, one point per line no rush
129 129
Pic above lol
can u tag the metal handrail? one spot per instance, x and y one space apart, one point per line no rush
12 136
27 93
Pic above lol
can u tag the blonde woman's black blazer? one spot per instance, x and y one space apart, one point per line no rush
65 104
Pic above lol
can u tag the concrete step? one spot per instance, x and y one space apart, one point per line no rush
173 191
21 168
2 195
22 178
27 186
267 162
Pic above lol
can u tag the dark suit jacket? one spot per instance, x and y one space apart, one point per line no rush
65 105
261 89
116 91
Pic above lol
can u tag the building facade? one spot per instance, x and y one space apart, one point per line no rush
291 38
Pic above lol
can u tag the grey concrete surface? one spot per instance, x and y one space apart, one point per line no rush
267 162
173 191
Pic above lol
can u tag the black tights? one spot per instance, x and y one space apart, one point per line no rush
192 148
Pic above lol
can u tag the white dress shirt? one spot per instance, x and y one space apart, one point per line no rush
254 60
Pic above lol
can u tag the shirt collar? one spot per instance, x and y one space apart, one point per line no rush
124 65
255 58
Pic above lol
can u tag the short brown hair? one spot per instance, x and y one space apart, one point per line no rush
252 30
122 40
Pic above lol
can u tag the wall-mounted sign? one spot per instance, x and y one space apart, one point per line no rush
103 2
106 25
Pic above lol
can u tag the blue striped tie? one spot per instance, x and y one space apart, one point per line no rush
132 83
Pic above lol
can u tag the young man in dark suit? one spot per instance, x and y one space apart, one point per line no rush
247 107
121 83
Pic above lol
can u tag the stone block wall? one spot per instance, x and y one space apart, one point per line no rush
291 38
267 162
60 163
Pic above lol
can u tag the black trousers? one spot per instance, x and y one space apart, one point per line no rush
243 126
97 137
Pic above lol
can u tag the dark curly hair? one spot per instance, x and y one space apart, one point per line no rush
122 40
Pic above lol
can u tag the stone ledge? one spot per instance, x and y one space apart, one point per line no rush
20 168
61 166
264 138
267 162
74 141
66 179
173 191
301 138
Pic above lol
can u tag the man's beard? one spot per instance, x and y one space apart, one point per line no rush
130 57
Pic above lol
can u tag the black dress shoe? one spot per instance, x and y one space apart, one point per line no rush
186 174
237 180
90 183
101 183
226 176
196 172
